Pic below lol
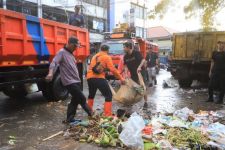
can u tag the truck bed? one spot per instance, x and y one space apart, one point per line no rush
27 40
195 46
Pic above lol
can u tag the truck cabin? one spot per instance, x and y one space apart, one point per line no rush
115 42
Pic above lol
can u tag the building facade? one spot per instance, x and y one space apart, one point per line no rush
95 12
163 37
133 12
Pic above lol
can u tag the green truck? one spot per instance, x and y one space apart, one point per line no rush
191 55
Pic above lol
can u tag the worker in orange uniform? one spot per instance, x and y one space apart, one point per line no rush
96 78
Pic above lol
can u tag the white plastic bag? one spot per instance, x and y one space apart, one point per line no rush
164 144
131 134
183 113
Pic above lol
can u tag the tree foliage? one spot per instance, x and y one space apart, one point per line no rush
206 9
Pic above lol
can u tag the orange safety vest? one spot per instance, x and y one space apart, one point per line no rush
106 62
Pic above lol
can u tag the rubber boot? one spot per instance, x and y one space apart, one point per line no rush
108 109
90 103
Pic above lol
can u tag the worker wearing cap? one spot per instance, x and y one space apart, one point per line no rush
70 77
77 19
217 73
96 78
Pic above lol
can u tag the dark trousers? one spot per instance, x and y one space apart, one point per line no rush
102 85
217 82
77 98
144 74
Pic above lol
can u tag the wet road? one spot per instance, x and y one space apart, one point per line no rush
32 119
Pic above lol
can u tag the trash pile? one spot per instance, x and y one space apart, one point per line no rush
182 129
99 130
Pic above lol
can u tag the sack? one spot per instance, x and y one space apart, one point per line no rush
131 92
98 68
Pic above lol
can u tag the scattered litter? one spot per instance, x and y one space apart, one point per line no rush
52 136
2 125
131 134
182 129
181 137
183 113
50 104
164 144
12 140
150 145
191 91
165 84
12 137
9 118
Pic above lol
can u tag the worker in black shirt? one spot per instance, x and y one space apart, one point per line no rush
217 73
152 63
77 19
134 63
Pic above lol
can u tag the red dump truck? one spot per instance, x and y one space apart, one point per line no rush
27 46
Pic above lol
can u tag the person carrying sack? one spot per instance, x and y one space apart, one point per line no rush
96 78
69 74
134 63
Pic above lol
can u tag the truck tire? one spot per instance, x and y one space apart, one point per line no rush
47 91
15 92
185 83
59 91
54 91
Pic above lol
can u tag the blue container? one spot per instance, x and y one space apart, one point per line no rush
163 59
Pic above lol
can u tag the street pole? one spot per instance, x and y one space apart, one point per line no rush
39 8
4 4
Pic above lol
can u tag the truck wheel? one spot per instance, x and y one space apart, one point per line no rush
185 83
59 91
54 91
47 91
15 92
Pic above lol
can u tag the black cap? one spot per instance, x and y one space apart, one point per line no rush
73 40
104 48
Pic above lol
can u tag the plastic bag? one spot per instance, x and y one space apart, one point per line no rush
173 122
131 135
131 92
183 113
164 144
217 128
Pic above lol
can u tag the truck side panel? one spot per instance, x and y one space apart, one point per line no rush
192 52
192 45
207 44
27 40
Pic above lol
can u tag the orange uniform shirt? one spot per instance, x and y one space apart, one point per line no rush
106 62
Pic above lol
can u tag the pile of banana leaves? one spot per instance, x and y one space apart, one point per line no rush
100 130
